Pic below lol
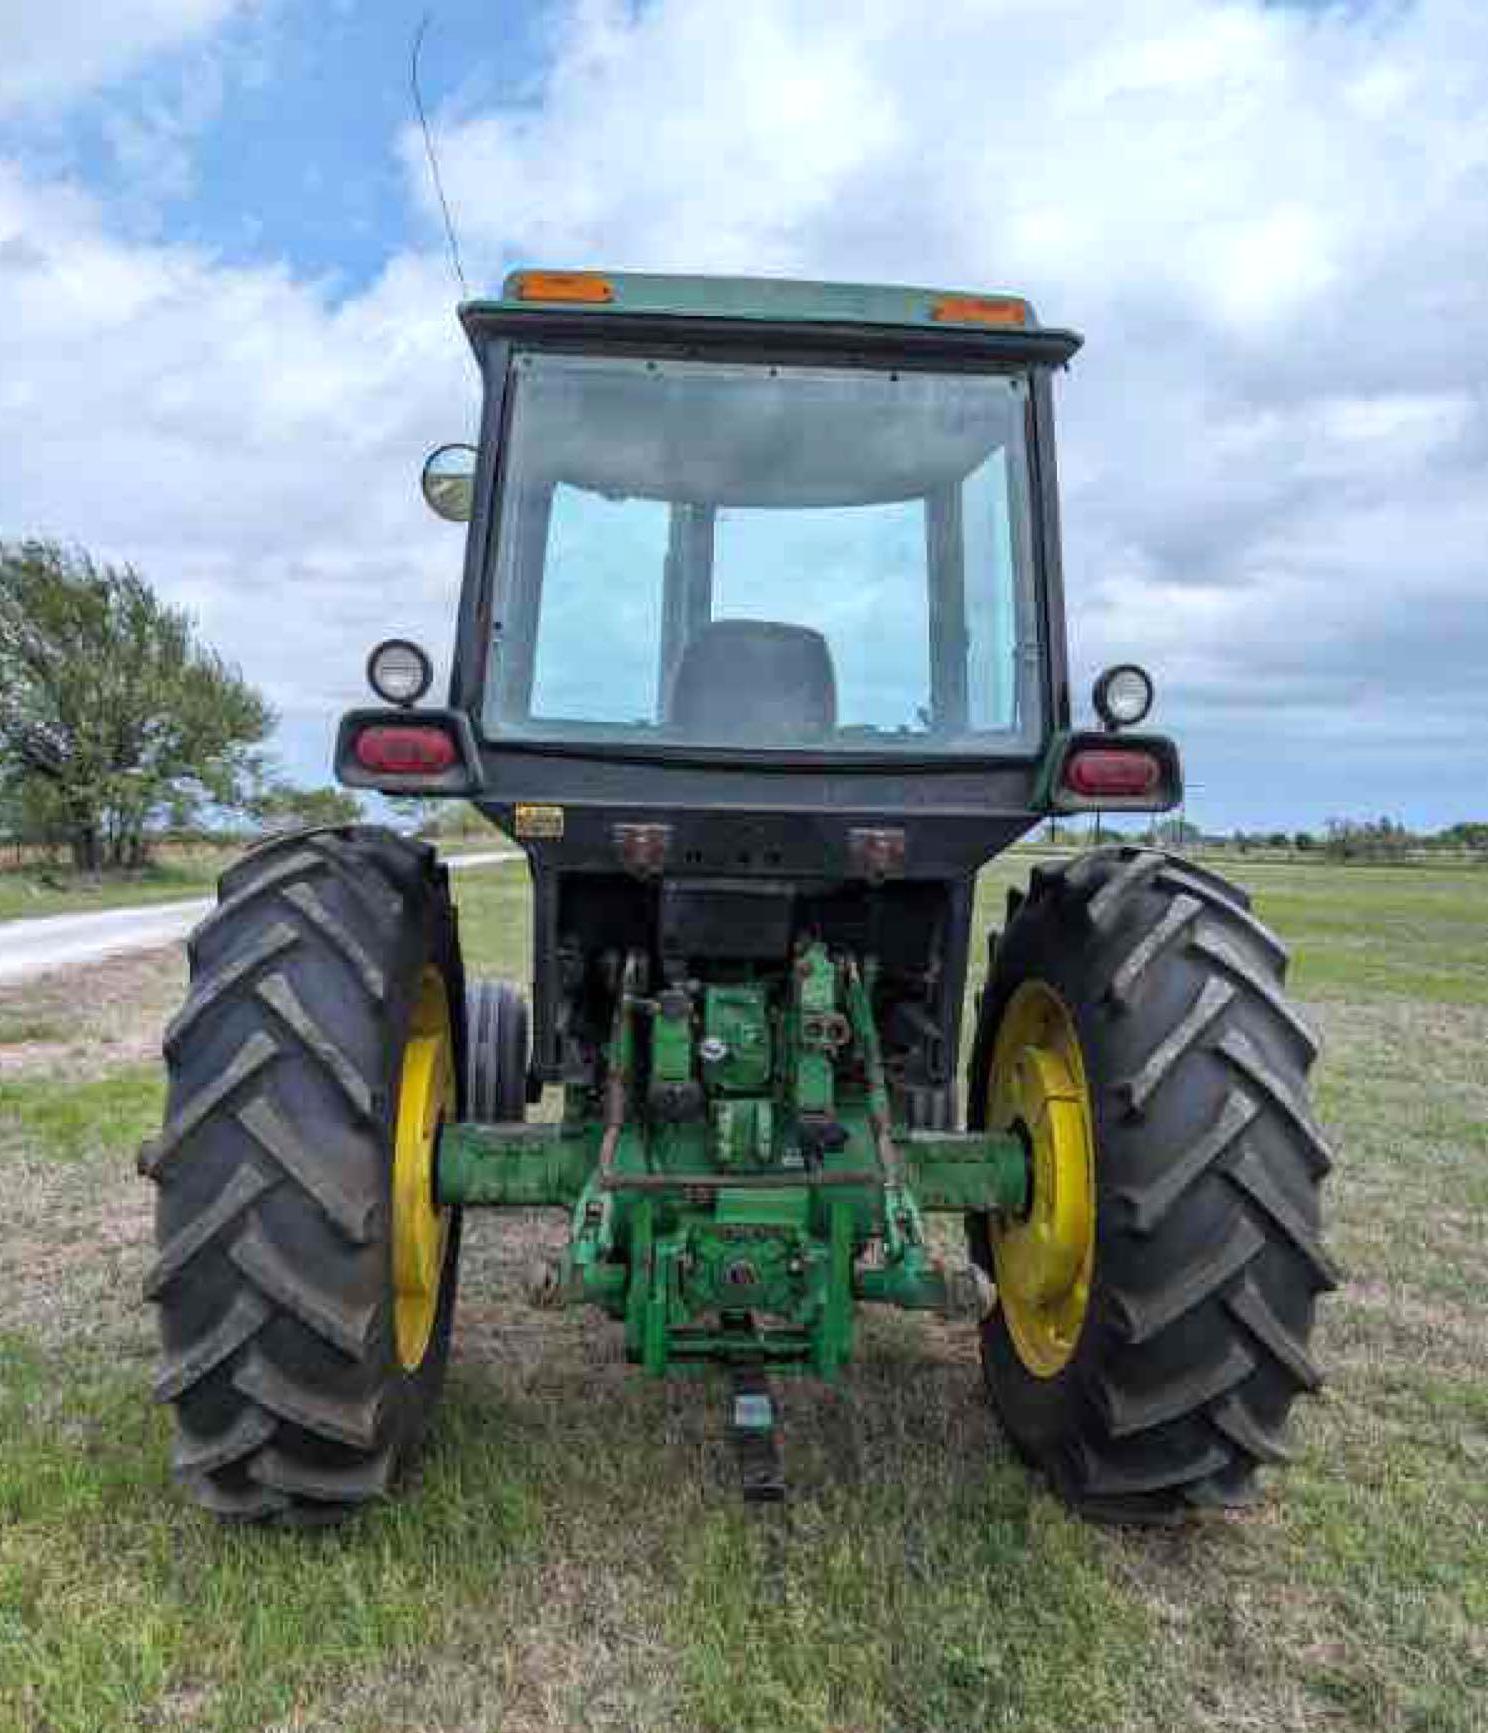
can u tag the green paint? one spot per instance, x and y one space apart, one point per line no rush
743 1132
736 1226
530 1165
671 1040
956 1172
737 1018
814 1032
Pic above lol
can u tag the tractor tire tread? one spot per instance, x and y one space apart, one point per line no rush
194 1453
1253 1066
336 1418
362 1481
1188 1286
278 1280
158 1153
277 993
276 1323
245 1187
243 1319
276 1138
1209 1250
1148 1201
237 1503
272 944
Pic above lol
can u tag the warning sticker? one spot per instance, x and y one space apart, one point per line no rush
538 821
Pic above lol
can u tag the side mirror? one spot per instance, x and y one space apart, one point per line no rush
448 482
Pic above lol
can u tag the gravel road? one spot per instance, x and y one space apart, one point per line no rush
37 944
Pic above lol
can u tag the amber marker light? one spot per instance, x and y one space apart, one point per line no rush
585 286
1002 310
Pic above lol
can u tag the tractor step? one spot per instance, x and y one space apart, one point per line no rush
754 1428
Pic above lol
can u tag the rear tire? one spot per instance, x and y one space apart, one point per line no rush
496 1052
1207 1167
278 1311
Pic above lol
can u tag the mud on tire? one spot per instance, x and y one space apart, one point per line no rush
1208 1256
273 1278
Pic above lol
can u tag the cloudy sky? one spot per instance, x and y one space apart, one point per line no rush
227 333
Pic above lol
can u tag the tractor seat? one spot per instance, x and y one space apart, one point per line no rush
754 682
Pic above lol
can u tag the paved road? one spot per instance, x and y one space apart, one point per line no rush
44 942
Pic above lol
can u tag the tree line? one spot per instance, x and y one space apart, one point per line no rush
118 725
1340 839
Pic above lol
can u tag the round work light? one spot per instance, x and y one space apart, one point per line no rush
399 672
1123 695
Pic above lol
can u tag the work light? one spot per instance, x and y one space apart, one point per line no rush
1123 695
399 672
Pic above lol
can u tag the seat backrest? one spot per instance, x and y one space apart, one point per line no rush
754 682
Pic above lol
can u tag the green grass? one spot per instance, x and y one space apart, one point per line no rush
115 1598
17 1027
572 1553
1380 932
495 920
67 1123
33 891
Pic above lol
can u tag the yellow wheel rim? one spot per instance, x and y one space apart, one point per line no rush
1044 1261
426 1096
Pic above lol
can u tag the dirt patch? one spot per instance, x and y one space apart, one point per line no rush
76 1241
95 1018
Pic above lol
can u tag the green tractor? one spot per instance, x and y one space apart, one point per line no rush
760 657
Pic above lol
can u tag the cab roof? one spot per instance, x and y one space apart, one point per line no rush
1007 321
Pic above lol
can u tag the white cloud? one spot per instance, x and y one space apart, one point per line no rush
248 445
52 52
1269 222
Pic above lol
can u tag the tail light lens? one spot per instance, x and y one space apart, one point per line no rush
412 751
1110 772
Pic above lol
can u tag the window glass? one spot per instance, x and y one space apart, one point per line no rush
764 556
599 624
991 613
856 574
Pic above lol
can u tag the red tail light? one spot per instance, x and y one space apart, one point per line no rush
1098 772
411 751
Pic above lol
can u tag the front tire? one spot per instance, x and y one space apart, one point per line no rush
305 1280
1159 1374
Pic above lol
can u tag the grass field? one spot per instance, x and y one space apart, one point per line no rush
181 871
40 890
573 1553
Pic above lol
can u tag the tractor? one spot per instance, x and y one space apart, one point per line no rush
760 657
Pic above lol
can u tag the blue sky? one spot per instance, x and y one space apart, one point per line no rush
274 135
226 311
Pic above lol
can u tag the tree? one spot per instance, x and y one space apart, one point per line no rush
1471 833
284 807
1367 839
114 716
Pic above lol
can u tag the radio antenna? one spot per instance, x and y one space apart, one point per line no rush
423 119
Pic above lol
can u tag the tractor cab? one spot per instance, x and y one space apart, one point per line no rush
777 522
